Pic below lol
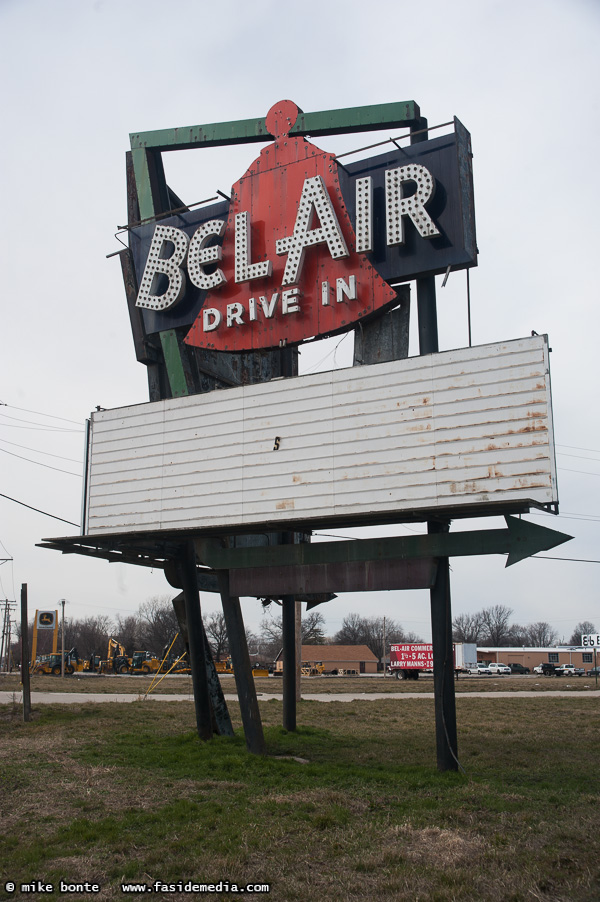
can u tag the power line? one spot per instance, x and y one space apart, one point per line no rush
576 448
48 467
56 429
74 460
579 456
38 511
39 413
587 518
40 425
575 560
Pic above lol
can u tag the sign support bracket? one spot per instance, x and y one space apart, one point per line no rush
187 567
242 671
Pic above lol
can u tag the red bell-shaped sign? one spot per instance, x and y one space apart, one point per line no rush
289 268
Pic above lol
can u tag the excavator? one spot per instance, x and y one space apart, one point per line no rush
116 659
51 663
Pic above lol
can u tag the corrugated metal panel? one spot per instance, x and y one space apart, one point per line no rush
459 428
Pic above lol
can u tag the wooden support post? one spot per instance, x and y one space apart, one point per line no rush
220 713
289 662
187 564
298 627
443 663
25 656
242 671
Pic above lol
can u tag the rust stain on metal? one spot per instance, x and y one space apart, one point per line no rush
286 505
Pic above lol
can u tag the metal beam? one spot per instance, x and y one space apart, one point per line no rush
247 131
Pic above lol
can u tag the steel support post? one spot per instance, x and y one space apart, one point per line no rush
25 656
288 623
289 662
187 564
443 662
441 612
298 658
242 671
427 311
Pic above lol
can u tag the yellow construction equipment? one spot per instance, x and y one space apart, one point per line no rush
116 659
312 668
51 663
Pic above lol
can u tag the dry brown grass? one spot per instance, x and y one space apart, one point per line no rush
107 684
111 792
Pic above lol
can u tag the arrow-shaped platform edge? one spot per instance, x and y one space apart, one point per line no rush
521 539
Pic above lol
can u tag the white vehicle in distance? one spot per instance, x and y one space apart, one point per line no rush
499 668
480 667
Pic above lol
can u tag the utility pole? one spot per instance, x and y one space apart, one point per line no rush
25 656
62 640
384 645
6 631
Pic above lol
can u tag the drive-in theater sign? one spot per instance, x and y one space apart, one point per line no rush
223 487
307 246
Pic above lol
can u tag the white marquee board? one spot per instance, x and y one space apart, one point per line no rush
458 429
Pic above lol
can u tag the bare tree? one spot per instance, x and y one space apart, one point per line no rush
496 625
90 636
271 636
540 635
158 625
585 628
370 631
127 631
313 632
352 631
468 628
216 632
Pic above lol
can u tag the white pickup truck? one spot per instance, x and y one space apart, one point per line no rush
569 670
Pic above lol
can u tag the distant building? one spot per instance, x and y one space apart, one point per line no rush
336 657
531 657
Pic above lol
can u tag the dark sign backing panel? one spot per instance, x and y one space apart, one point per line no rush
185 312
448 159
451 208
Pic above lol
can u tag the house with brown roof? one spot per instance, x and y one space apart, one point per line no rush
335 657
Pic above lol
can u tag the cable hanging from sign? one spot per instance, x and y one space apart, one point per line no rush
184 209
422 131
166 213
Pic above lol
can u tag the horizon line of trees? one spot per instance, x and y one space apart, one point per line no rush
155 625
493 626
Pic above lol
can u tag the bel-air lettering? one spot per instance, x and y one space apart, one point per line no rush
194 255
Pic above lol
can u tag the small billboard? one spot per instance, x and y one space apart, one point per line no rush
46 620
461 432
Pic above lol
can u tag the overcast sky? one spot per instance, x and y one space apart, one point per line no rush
80 75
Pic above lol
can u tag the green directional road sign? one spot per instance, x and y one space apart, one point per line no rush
519 540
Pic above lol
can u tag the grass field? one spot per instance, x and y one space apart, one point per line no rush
351 807
138 684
